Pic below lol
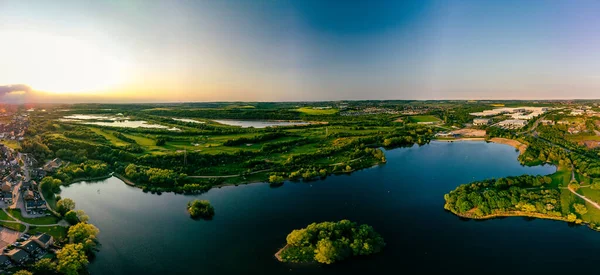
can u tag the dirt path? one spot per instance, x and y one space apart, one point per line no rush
595 204
586 199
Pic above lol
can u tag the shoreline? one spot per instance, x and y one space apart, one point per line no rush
278 253
511 142
522 214
125 180
77 180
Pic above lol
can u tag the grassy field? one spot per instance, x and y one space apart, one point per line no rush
578 138
108 135
58 232
593 214
423 119
42 220
14 226
561 177
316 112
5 217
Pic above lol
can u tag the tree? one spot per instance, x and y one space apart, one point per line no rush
580 208
571 217
275 179
44 267
64 205
326 252
200 209
23 272
50 184
161 141
298 237
76 216
83 233
71 259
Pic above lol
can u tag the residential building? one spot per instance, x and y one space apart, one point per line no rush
28 195
6 187
5 261
52 165
31 247
44 240
18 256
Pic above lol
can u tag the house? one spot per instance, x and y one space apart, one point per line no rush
52 165
28 195
31 247
44 240
5 261
547 122
481 121
18 256
6 187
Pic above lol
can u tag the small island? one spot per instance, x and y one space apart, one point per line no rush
200 209
329 242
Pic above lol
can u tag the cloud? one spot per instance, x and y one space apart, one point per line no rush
15 88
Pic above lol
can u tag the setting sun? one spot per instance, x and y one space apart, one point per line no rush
59 64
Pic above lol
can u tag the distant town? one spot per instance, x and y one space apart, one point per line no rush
21 201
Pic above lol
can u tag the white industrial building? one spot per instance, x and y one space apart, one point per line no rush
481 121
517 113
513 123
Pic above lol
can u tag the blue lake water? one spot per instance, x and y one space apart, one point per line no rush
143 233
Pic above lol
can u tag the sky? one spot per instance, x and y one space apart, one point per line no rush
304 50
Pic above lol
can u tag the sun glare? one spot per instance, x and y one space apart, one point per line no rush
59 64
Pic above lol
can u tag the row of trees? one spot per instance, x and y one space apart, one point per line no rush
87 169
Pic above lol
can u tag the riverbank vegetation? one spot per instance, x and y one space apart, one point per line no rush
330 242
200 209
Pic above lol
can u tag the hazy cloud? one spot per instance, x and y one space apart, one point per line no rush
15 88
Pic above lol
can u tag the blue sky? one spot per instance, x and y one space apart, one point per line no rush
270 50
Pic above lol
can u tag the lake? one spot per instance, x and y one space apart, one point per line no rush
258 123
188 120
131 124
143 233
115 121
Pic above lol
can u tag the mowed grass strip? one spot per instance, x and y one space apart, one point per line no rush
317 112
423 119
